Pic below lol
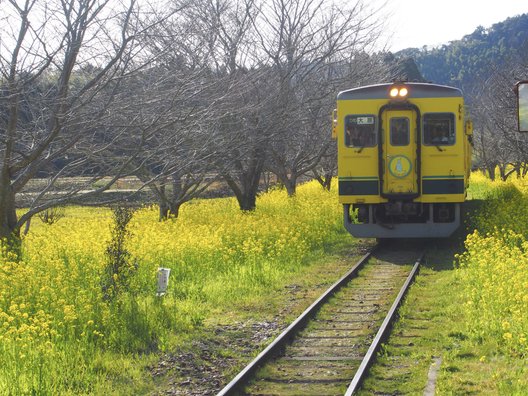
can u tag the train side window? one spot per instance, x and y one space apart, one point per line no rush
360 131
439 129
399 131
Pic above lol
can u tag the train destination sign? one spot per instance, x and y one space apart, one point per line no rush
365 120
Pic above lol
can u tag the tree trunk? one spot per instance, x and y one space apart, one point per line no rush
325 181
291 186
9 227
163 210
508 173
266 176
178 197
503 174
248 201
174 209
491 171
246 197
163 203
289 182
248 179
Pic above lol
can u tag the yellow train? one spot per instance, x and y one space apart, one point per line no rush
404 156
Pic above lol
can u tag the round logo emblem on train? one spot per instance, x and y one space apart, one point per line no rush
400 166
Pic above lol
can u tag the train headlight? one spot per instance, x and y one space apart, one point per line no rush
398 92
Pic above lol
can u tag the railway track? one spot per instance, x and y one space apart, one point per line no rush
329 347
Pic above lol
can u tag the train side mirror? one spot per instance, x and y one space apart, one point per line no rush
468 128
521 90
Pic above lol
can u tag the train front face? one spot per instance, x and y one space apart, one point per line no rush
403 159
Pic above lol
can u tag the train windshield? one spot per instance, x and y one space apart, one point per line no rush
399 131
439 129
360 131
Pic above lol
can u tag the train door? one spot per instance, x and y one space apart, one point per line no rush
398 154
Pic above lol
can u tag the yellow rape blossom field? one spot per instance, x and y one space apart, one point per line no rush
494 268
56 325
60 335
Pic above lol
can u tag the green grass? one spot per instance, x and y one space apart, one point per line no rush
61 334
236 281
436 321
433 325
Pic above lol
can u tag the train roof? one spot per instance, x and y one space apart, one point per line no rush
416 90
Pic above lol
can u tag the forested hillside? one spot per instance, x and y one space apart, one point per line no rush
468 62
485 64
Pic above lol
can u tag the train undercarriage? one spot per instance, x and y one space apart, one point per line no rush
400 219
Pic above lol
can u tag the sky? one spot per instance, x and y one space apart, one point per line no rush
415 23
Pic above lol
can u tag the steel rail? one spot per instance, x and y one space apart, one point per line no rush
382 332
287 334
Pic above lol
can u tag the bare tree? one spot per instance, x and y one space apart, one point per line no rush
326 169
240 124
497 142
246 129
62 67
176 162
357 70
305 41
183 159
